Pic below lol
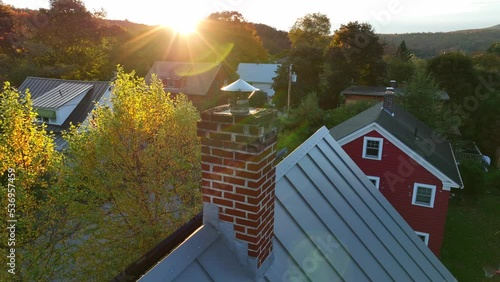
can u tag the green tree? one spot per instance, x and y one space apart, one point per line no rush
354 56
309 36
483 125
403 53
338 115
422 90
135 174
301 123
494 48
312 29
229 38
454 72
399 70
80 50
28 166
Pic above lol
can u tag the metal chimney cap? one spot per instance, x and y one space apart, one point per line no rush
239 86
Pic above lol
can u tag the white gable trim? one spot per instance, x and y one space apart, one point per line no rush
448 183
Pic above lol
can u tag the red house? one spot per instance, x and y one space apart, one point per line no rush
201 82
407 162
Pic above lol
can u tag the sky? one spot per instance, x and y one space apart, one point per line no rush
386 16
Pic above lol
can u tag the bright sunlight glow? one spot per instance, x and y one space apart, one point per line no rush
182 24
183 18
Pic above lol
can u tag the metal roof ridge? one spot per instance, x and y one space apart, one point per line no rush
286 164
67 80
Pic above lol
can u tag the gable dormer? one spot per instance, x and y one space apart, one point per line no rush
55 105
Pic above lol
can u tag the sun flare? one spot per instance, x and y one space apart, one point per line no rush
182 24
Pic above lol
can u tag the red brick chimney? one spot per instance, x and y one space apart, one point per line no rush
238 155
388 104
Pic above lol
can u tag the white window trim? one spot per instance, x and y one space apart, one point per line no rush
414 197
365 142
425 235
376 179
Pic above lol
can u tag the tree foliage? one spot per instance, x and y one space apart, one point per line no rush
302 121
308 117
135 173
430 44
275 41
28 166
399 70
494 48
454 72
422 90
309 36
354 56
229 38
403 53
6 26
483 125
312 29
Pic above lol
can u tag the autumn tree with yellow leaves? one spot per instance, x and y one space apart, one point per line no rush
134 171
33 224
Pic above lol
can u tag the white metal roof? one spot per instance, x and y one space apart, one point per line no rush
257 73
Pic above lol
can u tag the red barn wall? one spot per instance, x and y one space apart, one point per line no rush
398 173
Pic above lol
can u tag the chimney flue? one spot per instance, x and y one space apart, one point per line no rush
238 156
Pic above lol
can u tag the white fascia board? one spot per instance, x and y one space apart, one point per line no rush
446 181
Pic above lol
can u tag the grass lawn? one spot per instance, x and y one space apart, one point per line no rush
472 238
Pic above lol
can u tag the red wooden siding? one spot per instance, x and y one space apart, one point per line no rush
398 173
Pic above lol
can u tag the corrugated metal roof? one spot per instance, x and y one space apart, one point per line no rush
199 76
257 73
60 95
402 126
331 224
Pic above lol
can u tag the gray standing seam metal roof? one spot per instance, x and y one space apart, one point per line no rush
60 95
252 72
402 126
40 87
331 224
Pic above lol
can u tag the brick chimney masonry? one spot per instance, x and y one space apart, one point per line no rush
238 164
388 104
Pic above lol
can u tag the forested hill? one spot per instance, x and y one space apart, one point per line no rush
429 44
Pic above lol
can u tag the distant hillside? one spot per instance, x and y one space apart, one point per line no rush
430 44
133 28
275 41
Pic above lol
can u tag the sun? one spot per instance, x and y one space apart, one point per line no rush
182 24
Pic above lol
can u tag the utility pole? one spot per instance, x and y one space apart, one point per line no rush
291 77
